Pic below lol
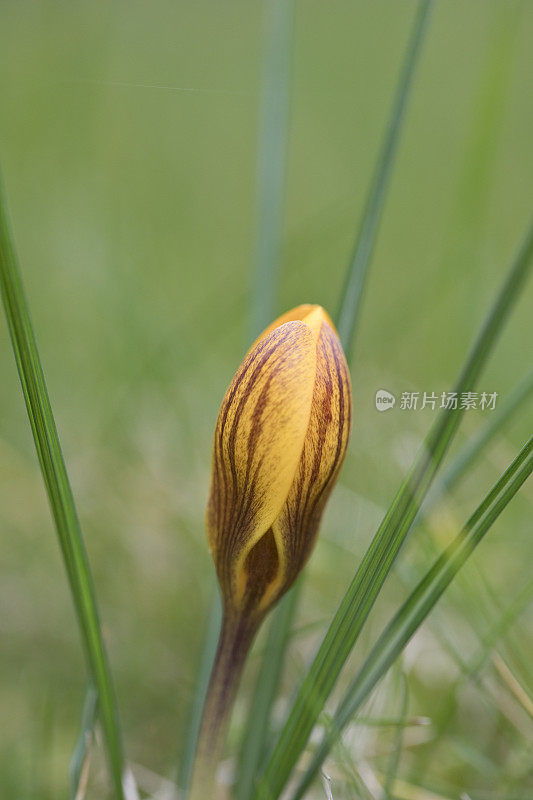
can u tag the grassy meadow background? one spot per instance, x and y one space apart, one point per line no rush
128 139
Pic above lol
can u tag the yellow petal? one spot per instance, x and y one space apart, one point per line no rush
296 526
258 444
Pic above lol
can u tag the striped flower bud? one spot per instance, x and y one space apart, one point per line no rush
280 440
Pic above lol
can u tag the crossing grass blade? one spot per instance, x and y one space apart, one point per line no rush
366 238
271 157
476 443
269 674
512 641
394 762
258 723
204 671
472 449
419 604
59 491
469 670
517 606
271 173
375 566
272 148
80 756
474 446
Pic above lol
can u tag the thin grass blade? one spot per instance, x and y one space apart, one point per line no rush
375 566
258 723
80 756
470 451
271 173
271 158
469 217
366 238
394 761
59 491
513 639
520 693
272 150
503 623
270 672
204 671
469 669
420 602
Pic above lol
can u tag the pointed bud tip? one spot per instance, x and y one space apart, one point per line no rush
314 316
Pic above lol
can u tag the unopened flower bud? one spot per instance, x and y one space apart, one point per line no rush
280 440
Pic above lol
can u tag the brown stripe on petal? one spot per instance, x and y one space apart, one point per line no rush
248 497
259 438
242 383
324 450
244 512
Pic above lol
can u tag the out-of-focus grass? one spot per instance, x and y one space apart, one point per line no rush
128 139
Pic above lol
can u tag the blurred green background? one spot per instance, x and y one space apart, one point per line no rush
128 142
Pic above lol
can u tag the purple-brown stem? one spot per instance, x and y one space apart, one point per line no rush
236 635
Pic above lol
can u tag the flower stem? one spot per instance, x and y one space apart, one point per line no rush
236 635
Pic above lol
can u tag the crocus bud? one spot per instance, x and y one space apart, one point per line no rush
280 440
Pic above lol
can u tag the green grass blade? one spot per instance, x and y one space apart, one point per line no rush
512 641
204 671
82 749
271 157
258 723
469 669
398 739
476 443
272 149
366 238
508 616
58 490
390 722
420 602
468 221
271 172
375 566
